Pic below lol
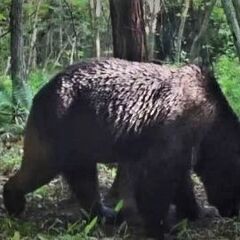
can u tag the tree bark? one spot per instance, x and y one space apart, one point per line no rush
166 31
236 4
17 55
128 29
231 15
95 13
73 50
197 42
151 9
32 49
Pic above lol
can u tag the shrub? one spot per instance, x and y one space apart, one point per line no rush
228 74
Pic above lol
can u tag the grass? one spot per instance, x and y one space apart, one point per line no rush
25 230
227 71
10 156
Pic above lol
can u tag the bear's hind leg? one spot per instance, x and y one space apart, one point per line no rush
153 196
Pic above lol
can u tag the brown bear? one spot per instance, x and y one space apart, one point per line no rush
142 114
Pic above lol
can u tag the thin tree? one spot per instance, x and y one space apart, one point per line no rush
95 12
17 56
181 30
236 4
151 9
198 40
31 63
232 15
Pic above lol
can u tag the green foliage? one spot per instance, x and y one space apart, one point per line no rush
228 74
119 206
57 24
6 106
42 192
13 113
4 28
16 236
15 229
10 157
183 230
219 36
37 79
90 226
79 3
13 116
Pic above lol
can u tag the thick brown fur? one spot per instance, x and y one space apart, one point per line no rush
217 164
146 115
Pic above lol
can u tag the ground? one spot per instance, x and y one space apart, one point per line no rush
50 215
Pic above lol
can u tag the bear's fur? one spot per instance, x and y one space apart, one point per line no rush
142 114
218 164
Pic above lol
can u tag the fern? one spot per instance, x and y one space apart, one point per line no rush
13 116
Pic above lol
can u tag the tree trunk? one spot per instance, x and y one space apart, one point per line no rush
128 29
236 4
17 56
181 30
198 40
95 12
151 10
98 43
166 31
32 49
231 15
73 50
